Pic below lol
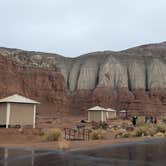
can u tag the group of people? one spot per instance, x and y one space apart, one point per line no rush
148 119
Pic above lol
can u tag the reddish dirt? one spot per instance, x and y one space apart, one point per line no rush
31 139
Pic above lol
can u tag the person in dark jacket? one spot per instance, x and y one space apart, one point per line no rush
151 119
134 120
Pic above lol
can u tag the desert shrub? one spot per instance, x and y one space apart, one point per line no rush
159 134
104 125
129 128
145 130
140 121
152 130
141 131
124 135
98 134
63 145
127 135
164 119
161 128
116 127
99 125
95 125
119 135
53 135
124 125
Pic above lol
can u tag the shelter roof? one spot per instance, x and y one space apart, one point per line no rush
18 99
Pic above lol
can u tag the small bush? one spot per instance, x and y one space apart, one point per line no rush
53 135
98 134
145 130
152 130
124 125
63 145
119 135
140 121
159 134
99 125
141 131
164 119
161 128
129 128
127 135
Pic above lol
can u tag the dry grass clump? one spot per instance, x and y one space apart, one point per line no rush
163 119
159 134
63 144
144 130
53 135
140 121
98 134
161 128
128 135
99 125
124 125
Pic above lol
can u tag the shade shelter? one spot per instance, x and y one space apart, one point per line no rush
97 114
17 110
111 113
123 114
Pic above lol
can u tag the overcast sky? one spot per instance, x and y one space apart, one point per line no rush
74 27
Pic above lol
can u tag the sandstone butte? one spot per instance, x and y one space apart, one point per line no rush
133 79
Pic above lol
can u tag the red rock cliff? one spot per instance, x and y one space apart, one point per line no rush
133 79
43 85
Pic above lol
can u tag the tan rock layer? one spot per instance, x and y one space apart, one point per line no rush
134 79
142 67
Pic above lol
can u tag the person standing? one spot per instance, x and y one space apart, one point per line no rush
151 119
155 120
134 120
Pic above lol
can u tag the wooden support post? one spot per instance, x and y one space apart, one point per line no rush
69 134
83 134
8 115
65 133
74 134
34 116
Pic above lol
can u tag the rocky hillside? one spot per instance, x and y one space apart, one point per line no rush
137 68
133 79
42 85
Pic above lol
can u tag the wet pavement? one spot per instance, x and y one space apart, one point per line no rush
147 153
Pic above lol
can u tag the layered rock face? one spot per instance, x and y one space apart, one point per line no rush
134 79
43 85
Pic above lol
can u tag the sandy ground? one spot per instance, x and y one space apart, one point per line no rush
34 142
31 138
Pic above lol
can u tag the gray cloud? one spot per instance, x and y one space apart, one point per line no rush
74 27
